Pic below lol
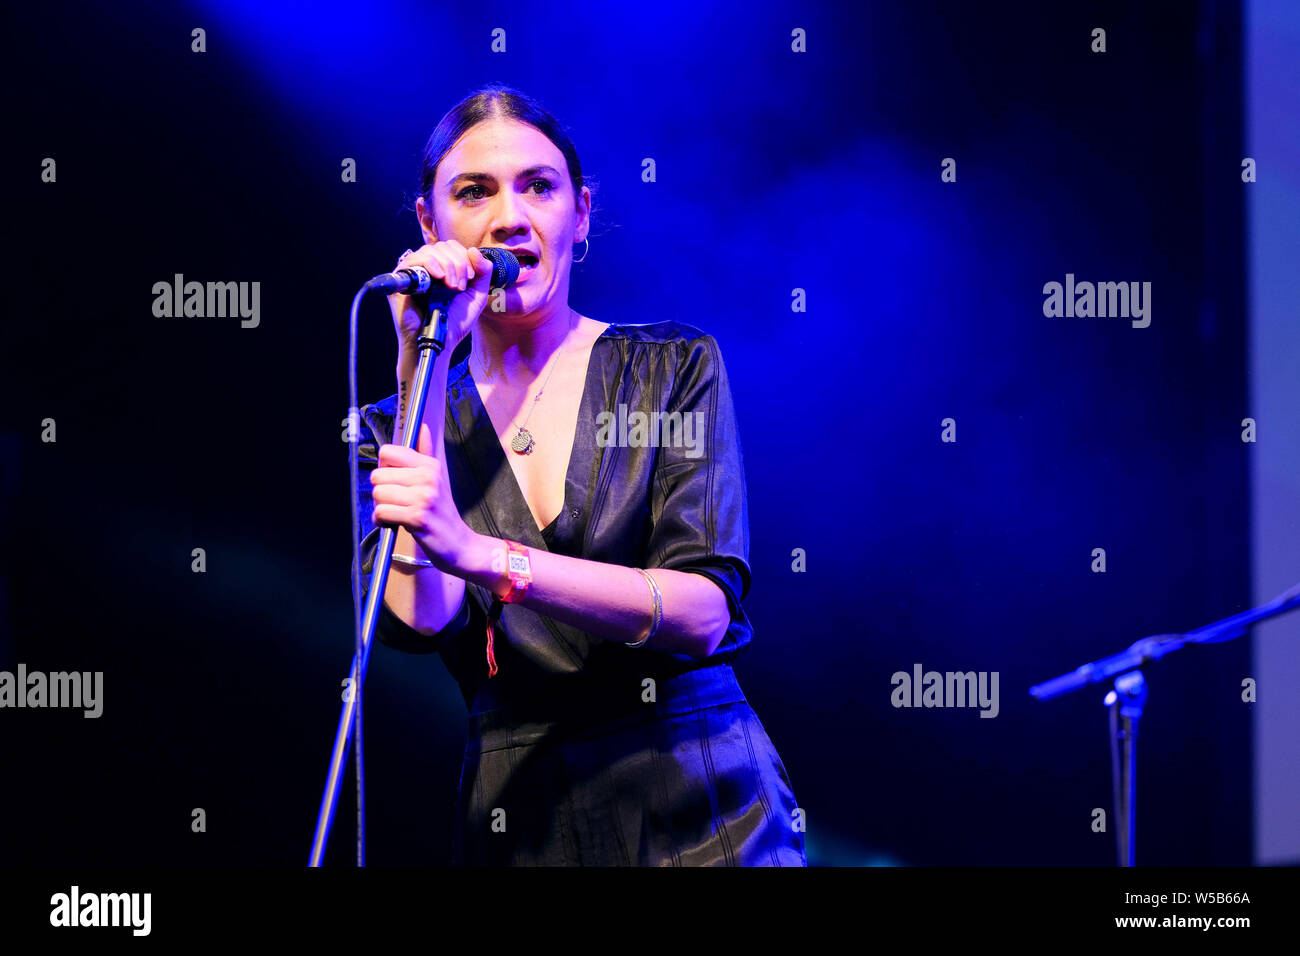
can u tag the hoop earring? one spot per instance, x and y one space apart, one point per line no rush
584 251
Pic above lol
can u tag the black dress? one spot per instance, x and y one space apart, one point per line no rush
583 751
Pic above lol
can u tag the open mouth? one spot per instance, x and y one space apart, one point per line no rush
526 260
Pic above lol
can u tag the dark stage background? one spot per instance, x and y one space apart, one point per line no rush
819 171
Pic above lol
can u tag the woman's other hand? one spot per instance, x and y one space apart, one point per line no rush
411 489
460 268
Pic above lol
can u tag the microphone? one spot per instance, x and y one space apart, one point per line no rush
416 280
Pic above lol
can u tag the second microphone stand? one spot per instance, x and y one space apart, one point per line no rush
1128 697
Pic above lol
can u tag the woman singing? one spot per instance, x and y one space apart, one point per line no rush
581 576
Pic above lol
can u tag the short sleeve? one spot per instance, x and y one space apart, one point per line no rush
699 511
376 429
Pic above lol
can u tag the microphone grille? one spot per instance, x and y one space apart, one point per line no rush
505 267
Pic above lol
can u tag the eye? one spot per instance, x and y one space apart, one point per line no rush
462 193
550 186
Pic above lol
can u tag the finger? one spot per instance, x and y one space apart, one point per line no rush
407 260
460 255
399 495
426 440
410 477
461 258
451 269
427 257
482 265
393 515
418 257
400 456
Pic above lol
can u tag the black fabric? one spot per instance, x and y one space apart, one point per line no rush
548 533
689 779
691 788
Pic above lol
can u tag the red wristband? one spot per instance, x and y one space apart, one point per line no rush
520 570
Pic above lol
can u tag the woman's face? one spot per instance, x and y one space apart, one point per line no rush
505 184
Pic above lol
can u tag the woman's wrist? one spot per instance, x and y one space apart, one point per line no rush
483 562
408 360
408 354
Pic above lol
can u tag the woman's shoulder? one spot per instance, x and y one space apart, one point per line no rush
665 332
690 353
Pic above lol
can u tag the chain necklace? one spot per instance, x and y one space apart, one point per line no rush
523 442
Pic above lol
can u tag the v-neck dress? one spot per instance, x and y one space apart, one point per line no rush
580 750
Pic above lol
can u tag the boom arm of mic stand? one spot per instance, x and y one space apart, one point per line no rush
432 339
1128 699
1152 648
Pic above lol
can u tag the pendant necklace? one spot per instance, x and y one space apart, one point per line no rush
523 442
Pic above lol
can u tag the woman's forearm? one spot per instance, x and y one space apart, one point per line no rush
435 405
611 601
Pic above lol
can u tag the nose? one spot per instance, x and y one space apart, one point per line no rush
509 218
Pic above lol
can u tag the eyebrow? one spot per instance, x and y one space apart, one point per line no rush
488 177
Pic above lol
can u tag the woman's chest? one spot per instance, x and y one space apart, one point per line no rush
546 430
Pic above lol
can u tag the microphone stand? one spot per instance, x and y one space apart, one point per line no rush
1128 696
432 339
